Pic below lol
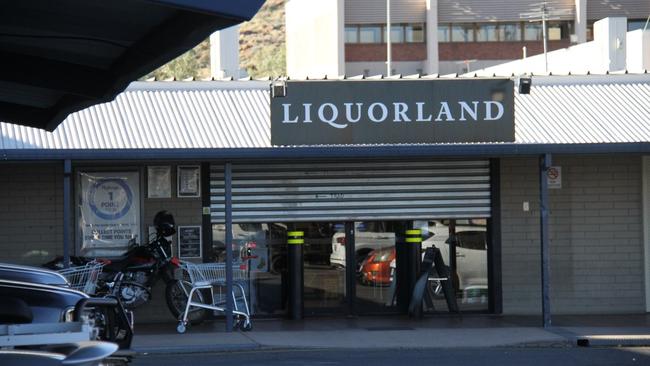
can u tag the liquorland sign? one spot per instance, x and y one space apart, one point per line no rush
393 112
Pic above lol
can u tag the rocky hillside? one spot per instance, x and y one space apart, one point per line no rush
261 49
262 42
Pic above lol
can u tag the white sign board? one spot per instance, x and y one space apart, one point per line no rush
110 212
554 177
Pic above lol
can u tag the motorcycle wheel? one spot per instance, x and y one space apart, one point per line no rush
177 300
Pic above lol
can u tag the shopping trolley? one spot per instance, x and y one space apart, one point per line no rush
207 276
83 278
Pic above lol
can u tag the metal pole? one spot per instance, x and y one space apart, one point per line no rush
544 37
544 165
389 56
350 269
229 253
295 243
67 195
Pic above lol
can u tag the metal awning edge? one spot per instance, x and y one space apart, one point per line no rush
321 153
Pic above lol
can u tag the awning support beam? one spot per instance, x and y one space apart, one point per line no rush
544 165
67 220
228 212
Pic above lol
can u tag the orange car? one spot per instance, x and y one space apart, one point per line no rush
375 269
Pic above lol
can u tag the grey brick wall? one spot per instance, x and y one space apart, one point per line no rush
31 220
186 211
595 231
31 212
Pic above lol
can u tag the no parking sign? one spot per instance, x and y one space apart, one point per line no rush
554 177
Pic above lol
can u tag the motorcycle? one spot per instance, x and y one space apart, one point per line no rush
131 276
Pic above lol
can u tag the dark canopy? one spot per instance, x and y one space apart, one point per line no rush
58 57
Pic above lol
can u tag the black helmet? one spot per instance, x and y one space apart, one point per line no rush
164 223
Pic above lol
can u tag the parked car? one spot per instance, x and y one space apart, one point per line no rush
368 237
376 268
471 256
49 299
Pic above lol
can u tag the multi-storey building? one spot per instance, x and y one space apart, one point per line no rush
337 37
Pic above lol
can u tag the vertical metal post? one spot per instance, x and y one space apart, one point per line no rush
389 52
544 10
295 243
350 269
544 164
206 213
67 220
229 254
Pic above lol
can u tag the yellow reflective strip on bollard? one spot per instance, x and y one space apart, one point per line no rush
295 233
414 232
414 240
295 241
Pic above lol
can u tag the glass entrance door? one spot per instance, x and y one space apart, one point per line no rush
323 276
375 263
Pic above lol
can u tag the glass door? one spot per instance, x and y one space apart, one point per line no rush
324 276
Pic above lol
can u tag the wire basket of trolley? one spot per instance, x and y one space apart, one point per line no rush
209 276
83 278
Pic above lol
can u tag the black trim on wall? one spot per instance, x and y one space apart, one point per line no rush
495 302
206 219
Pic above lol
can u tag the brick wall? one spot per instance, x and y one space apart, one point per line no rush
31 212
595 231
356 52
451 51
186 211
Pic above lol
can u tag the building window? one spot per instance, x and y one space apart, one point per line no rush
635 24
351 34
510 32
532 32
487 33
444 34
414 33
462 33
396 34
370 34
376 33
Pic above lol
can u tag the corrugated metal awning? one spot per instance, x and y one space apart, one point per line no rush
235 114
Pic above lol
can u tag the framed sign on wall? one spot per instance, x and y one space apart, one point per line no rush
159 182
189 181
190 242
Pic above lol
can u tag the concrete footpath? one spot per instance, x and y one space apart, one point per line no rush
398 333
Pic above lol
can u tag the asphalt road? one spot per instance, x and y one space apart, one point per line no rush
438 357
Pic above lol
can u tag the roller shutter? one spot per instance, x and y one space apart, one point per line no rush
353 191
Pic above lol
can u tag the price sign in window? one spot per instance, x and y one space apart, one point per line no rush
189 242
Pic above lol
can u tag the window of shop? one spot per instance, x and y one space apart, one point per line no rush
487 33
414 33
636 24
510 32
370 34
351 34
444 33
503 32
396 34
376 33
532 32
462 33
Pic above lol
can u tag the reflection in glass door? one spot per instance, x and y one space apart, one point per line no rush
375 262
324 277
463 245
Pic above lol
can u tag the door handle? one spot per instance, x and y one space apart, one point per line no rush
458 255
